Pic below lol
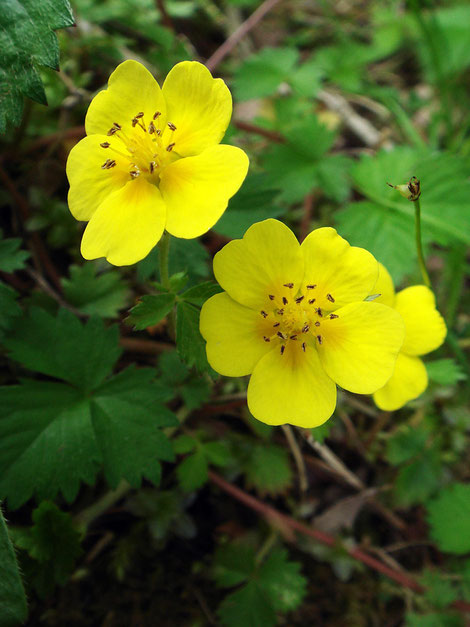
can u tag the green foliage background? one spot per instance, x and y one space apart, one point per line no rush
117 443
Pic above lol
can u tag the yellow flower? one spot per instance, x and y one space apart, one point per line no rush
425 331
152 161
294 317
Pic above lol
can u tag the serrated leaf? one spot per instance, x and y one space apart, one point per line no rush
233 564
189 342
12 596
150 310
434 619
262 73
63 347
445 371
418 481
186 255
268 469
192 472
9 308
11 256
247 607
102 294
448 516
26 40
198 294
440 592
406 443
183 444
282 581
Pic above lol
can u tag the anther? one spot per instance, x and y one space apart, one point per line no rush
117 126
152 166
140 115
319 339
280 312
299 299
311 287
112 131
152 128
283 348
271 296
319 312
134 122
264 314
105 145
317 324
156 115
284 300
134 173
333 316
158 132
282 335
276 324
311 301
109 163
305 328
266 339
289 285
171 126
330 298
303 346
293 337
170 147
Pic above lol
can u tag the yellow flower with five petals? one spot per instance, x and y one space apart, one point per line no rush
425 330
294 317
152 161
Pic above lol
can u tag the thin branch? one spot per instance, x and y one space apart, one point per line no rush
166 19
259 130
298 458
244 28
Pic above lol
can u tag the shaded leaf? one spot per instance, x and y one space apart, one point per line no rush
150 310
12 596
448 516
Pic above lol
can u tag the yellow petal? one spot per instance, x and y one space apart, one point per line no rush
385 288
198 105
347 273
267 258
291 388
131 90
235 342
409 381
196 190
425 327
127 225
359 348
89 183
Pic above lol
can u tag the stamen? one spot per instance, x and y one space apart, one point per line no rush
280 312
171 126
170 147
330 298
140 115
276 324
303 346
112 131
284 300
271 296
283 348
319 312
264 314
156 115
117 126
333 316
317 324
134 173
134 122
109 163
158 132
299 299
105 145
282 335
289 285
306 328
266 339
293 337
311 301
153 165
311 287
152 128
320 341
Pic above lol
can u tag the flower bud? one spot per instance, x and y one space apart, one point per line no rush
410 190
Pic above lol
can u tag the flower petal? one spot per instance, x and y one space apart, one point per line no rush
198 105
425 327
127 225
409 381
89 183
360 347
385 288
291 388
131 90
196 190
347 273
267 258
235 342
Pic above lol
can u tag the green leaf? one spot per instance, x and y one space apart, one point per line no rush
53 436
27 40
434 619
63 347
440 592
192 472
54 542
268 468
186 255
445 371
416 482
233 564
247 607
198 294
282 581
11 257
12 596
150 310
9 308
406 443
262 73
448 516
189 341
102 294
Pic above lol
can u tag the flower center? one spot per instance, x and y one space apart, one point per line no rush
144 148
295 318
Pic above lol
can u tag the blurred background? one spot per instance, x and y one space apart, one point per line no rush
332 100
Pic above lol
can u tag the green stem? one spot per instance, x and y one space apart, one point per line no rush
87 516
163 255
419 246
